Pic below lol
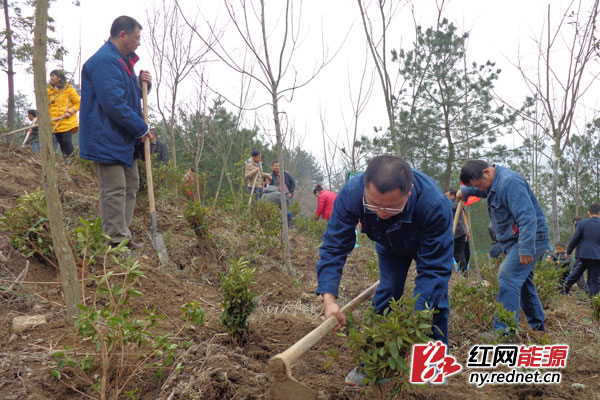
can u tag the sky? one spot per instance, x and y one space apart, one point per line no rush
499 31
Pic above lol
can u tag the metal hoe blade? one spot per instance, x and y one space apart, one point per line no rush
285 386
157 241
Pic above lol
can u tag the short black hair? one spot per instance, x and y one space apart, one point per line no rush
451 190
560 244
32 113
274 162
576 220
387 173
317 188
123 23
255 153
472 170
594 208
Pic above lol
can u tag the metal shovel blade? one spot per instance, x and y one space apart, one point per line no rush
157 242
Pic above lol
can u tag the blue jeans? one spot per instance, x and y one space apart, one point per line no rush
516 288
35 146
393 269
257 192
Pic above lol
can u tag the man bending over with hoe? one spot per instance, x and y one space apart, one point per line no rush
407 215
522 232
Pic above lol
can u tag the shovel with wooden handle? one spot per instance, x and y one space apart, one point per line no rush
285 387
155 237
459 207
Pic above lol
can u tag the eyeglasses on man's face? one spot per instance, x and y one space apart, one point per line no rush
387 210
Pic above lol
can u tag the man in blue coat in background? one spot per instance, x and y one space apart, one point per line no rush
587 240
405 212
112 123
521 230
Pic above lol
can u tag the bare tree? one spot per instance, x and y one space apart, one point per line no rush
272 46
559 90
10 71
358 103
175 54
66 261
376 26
330 150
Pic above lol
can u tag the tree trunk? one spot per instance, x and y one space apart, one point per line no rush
451 151
555 169
10 110
60 240
284 225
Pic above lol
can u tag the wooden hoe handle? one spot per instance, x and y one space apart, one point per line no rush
302 346
459 207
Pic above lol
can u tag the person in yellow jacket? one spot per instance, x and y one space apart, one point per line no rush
63 104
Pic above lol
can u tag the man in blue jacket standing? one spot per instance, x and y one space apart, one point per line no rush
407 215
111 124
587 239
521 230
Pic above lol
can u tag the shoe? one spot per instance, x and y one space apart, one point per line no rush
541 327
133 245
355 377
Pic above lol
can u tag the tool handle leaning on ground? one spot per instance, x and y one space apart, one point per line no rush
147 156
304 344
459 207
253 187
25 128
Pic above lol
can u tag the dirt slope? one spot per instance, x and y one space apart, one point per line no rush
212 368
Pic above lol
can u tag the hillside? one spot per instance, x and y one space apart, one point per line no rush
211 367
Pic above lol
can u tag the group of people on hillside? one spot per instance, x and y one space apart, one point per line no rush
268 187
410 219
400 208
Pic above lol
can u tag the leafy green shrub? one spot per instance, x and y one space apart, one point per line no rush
508 318
239 301
382 343
596 307
472 306
262 225
546 277
309 227
231 202
165 178
197 216
28 227
29 230
124 343
89 240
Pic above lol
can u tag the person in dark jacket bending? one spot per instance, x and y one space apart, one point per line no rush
587 240
521 230
407 215
111 123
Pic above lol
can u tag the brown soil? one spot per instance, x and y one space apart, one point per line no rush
213 368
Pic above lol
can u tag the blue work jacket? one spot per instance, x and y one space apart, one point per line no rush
423 232
110 119
514 211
